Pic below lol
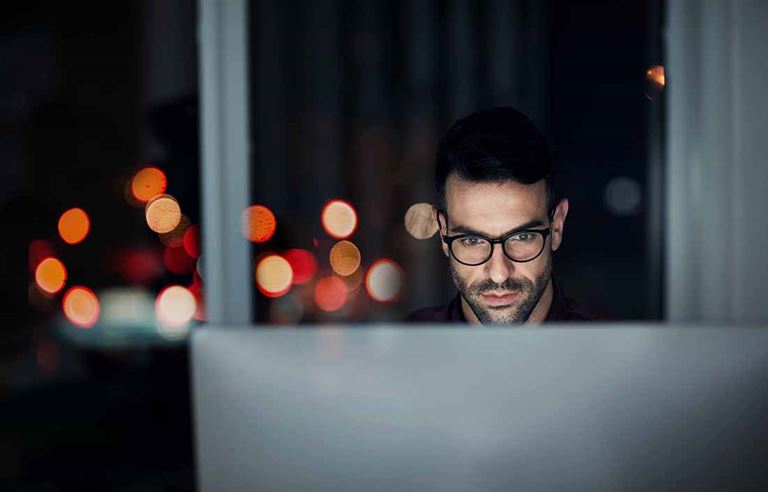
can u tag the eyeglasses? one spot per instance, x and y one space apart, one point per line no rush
475 249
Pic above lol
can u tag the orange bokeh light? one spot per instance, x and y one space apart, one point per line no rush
163 214
148 183
330 293
339 219
344 258
175 305
74 225
258 223
384 280
51 275
81 306
274 276
656 74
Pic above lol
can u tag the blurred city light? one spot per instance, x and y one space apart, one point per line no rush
51 275
175 305
38 251
303 263
339 219
178 261
384 280
353 282
163 214
175 237
330 293
274 276
139 265
191 241
197 291
344 258
74 225
81 306
258 223
655 80
420 221
148 183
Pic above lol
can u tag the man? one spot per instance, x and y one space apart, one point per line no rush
500 223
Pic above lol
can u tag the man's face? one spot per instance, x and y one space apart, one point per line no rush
501 290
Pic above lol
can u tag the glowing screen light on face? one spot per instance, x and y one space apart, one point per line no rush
74 225
258 223
384 280
50 275
81 306
303 263
274 276
175 305
148 183
330 293
339 219
163 214
344 258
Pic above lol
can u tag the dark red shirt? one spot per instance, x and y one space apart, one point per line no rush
562 309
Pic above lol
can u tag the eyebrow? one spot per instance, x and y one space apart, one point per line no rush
467 230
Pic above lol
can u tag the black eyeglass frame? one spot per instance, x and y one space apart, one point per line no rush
450 239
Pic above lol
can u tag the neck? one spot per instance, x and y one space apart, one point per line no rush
538 314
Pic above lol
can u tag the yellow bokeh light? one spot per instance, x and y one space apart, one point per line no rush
420 221
175 306
344 258
339 219
74 225
163 214
50 275
81 306
274 276
258 223
384 280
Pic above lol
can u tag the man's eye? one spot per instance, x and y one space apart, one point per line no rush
471 241
523 237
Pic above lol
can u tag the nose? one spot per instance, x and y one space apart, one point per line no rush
499 268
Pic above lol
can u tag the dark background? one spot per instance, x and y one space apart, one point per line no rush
348 100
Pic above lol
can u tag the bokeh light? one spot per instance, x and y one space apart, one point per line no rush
74 225
258 223
655 80
420 221
330 293
175 305
38 251
197 291
623 196
177 261
148 183
163 214
339 219
191 241
176 236
51 275
303 263
354 281
384 280
81 306
274 276
344 258
139 265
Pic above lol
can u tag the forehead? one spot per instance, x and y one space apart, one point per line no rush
494 207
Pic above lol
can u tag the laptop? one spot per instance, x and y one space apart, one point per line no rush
435 408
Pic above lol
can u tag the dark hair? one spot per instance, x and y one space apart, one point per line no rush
495 145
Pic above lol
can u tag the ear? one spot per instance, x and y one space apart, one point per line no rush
441 229
558 223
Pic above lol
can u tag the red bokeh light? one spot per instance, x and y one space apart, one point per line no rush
178 261
303 263
330 293
140 265
192 241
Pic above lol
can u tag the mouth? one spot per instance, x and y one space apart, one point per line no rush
499 300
